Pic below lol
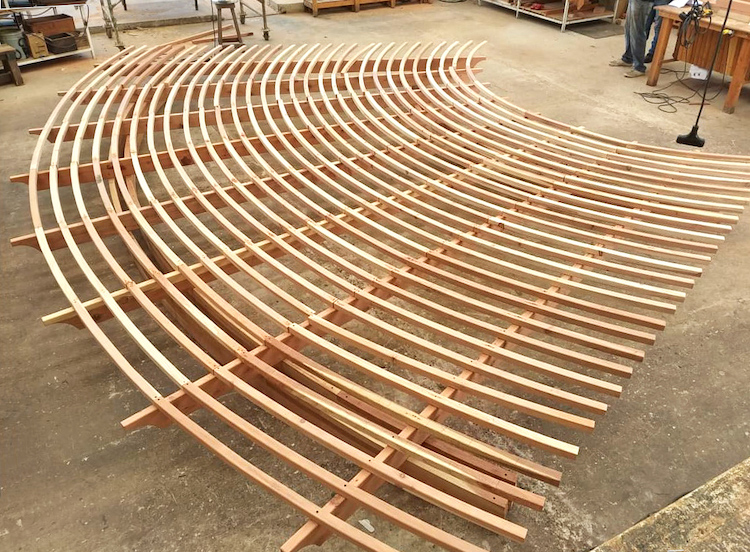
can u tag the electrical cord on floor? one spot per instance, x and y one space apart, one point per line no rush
668 103
690 30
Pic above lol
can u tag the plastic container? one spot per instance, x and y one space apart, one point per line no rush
14 37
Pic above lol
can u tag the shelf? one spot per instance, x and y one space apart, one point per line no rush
500 3
573 16
78 5
19 9
16 9
29 61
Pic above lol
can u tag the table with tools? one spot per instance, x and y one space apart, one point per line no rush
734 55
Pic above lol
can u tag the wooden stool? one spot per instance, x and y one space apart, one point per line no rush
12 72
226 5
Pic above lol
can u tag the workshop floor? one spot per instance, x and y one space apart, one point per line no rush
71 479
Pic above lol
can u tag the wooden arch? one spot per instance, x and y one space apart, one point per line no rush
367 244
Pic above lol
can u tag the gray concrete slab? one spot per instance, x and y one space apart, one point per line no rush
287 6
71 479
713 518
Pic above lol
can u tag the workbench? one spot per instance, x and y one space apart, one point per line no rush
733 59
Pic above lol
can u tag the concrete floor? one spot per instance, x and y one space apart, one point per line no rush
71 479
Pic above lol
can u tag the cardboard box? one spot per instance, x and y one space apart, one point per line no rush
49 25
81 41
37 45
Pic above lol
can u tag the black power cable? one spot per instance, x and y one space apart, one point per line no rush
666 102
690 28
692 138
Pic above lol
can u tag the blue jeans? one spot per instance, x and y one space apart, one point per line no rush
653 16
636 33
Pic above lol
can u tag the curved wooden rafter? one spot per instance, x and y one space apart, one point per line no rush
355 241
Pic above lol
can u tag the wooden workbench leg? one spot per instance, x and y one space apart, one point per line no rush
665 33
738 77
219 36
236 26
10 64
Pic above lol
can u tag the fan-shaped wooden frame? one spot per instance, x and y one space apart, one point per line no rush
338 235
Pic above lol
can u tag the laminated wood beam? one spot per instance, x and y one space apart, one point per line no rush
176 120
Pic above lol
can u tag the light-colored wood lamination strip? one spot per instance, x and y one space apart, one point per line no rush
303 214
644 154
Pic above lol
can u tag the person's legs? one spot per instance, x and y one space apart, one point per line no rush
637 34
650 20
657 28
627 57
655 17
